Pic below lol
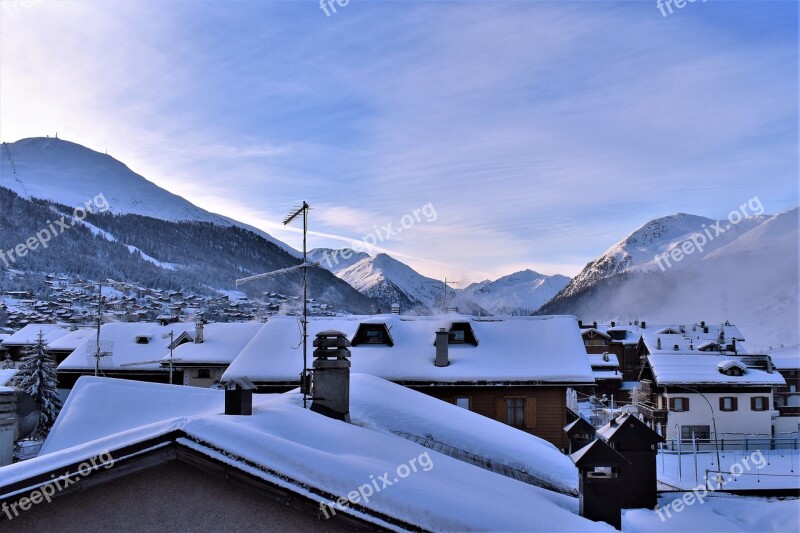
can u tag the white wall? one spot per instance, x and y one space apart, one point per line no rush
743 420
787 424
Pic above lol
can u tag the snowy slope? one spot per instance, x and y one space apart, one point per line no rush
71 174
748 275
389 280
333 260
519 293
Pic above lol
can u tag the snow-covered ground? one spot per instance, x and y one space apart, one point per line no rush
717 513
780 469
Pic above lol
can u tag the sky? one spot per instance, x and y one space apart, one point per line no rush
497 136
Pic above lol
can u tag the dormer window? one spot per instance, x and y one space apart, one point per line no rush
461 333
372 334
732 368
143 339
709 347
669 331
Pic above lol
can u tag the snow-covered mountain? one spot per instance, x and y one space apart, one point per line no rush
389 281
747 273
71 174
520 293
336 260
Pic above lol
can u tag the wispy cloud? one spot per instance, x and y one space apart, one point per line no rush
542 132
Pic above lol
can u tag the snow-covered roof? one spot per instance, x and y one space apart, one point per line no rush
71 340
787 358
514 349
701 369
222 342
312 455
7 375
120 339
30 333
689 342
599 360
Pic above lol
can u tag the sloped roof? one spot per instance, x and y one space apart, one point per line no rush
597 453
626 428
30 333
308 453
517 349
701 368
222 342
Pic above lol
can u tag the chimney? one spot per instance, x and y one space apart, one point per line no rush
613 324
395 309
594 325
239 397
198 331
658 343
580 324
644 325
330 385
442 341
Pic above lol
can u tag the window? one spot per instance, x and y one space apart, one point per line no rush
728 403
204 373
515 412
463 402
457 337
759 403
374 336
700 432
142 339
679 404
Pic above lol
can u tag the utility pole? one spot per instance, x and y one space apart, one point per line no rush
99 321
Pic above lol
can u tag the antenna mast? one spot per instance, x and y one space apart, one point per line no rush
304 210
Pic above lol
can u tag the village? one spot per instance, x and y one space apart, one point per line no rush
528 387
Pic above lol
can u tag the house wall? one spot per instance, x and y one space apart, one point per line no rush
190 377
547 421
786 424
171 497
743 420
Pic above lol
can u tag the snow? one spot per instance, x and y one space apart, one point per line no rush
119 338
786 358
518 349
377 403
71 340
7 375
311 451
698 368
30 333
780 469
222 343
71 174
522 291
373 272
718 513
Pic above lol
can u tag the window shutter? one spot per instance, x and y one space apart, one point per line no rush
672 404
753 403
500 410
722 403
686 404
530 413
735 403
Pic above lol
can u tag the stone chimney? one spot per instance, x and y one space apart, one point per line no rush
442 341
330 385
395 309
198 331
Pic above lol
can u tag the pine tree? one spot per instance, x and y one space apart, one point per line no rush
7 362
37 377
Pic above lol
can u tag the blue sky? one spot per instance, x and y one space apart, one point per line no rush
541 132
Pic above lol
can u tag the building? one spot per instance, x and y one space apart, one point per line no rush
787 397
28 336
146 455
202 356
515 370
691 386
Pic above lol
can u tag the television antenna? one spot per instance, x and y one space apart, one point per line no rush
296 212
99 352
444 283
